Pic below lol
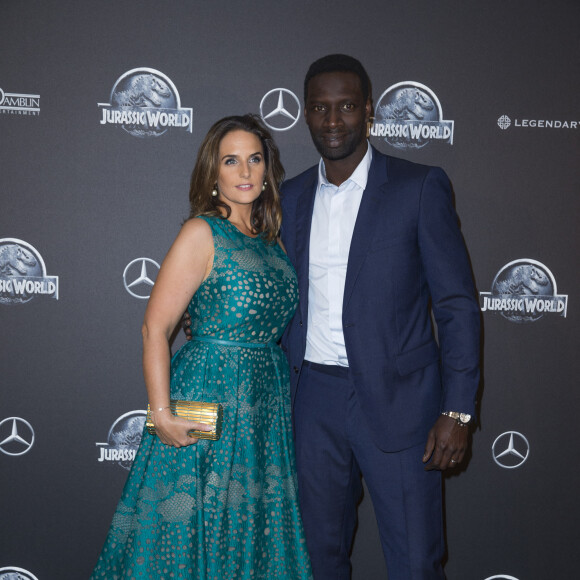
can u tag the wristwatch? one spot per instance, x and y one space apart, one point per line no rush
462 418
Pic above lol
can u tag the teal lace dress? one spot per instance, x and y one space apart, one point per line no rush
225 509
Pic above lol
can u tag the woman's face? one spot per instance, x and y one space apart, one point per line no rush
241 168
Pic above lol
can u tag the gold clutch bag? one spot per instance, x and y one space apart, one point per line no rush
210 413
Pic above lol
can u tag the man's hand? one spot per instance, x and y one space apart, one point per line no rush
186 325
446 444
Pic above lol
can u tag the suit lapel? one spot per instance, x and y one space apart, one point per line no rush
305 207
366 221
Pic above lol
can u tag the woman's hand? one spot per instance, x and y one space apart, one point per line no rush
186 325
174 430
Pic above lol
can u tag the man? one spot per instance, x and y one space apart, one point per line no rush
375 243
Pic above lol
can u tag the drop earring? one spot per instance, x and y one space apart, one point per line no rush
264 185
214 191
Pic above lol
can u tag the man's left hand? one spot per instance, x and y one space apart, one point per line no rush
446 444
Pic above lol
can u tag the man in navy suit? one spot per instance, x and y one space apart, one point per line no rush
376 245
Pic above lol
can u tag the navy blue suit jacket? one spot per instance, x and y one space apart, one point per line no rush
407 254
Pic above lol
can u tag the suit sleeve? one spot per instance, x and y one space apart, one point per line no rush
455 307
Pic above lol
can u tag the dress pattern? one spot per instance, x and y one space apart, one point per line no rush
225 509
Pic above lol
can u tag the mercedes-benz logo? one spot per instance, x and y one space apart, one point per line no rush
139 277
501 577
13 573
16 436
504 122
510 450
284 112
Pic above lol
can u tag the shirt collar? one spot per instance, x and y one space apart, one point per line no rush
359 176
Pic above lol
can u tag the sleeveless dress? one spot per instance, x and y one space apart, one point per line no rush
225 509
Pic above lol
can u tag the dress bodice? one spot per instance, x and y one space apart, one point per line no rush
251 292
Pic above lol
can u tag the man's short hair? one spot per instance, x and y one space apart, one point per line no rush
339 63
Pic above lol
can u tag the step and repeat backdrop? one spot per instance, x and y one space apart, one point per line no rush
103 106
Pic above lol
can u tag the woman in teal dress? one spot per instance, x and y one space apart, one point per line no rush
225 509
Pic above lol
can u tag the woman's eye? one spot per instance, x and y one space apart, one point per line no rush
256 159
230 161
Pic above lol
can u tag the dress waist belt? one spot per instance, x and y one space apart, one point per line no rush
233 342
221 342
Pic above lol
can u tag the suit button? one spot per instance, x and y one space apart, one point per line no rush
300 323
296 370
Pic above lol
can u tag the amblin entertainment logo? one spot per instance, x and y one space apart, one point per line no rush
19 104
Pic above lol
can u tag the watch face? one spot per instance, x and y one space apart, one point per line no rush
464 418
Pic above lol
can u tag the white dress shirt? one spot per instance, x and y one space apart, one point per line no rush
333 219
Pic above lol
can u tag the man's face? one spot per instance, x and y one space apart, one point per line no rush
337 115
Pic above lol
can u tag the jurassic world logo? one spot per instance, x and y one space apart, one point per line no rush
524 291
145 103
12 573
408 115
123 439
23 273
19 104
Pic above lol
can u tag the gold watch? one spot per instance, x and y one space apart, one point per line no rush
462 418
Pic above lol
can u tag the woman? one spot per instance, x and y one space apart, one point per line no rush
225 509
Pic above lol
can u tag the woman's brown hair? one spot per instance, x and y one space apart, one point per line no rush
266 211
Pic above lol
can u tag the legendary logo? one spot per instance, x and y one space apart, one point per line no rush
12 573
19 104
524 291
146 104
408 115
280 109
139 277
16 436
510 450
123 439
23 273
504 122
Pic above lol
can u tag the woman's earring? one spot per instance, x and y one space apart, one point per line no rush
214 191
264 185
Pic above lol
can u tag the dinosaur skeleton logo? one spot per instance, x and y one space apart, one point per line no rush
23 273
408 115
145 103
524 291
123 439
12 573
